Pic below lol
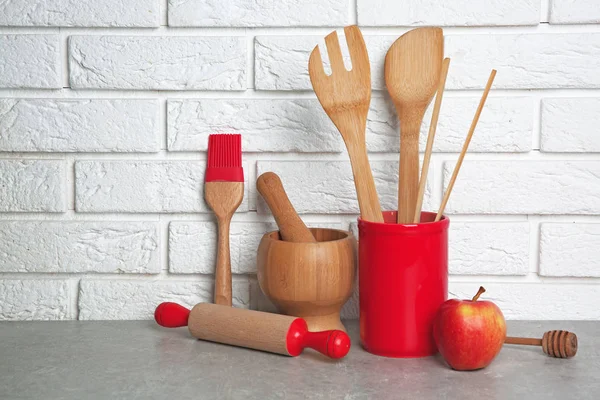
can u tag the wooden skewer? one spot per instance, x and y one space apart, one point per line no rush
466 144
430 136
559 344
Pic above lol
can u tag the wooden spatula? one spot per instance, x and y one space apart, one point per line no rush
412 72
345 96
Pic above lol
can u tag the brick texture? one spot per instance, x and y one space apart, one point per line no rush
453 12
105 247
29 61
84 13
504 187
298 125
246 13
32 186
569 250
159 63
481 248
132 300
292 125
570 125
50 125
523 61
574 12
33 299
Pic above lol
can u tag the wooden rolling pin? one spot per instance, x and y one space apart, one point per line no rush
291 227
253 329
559 344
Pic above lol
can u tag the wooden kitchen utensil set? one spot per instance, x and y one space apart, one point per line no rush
309 273
414 68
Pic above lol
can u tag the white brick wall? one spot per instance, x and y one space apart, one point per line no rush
32 186
454 12
86 13
524 61
251 13
105 247
562 243
91 125
30 61
30 299
574 12
106 106
570 125
160 63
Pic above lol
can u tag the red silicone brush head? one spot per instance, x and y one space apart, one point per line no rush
171 315
224 158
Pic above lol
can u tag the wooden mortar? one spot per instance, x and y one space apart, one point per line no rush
309 280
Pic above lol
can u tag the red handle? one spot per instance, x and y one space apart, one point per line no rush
171 315
334 344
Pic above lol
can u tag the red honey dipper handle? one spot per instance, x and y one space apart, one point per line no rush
253 329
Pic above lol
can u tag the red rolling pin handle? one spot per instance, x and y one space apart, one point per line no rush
171 315
334 344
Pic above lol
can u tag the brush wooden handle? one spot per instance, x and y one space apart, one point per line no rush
252 329
558 344
223 291
291 227
224 198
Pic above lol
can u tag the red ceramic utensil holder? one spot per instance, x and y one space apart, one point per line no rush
403 280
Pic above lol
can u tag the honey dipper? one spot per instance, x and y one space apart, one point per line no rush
559 344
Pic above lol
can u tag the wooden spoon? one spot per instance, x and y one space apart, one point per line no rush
345 97
412 72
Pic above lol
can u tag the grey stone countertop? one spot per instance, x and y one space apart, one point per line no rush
140 360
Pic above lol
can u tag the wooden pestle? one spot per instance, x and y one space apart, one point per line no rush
559 344
291 227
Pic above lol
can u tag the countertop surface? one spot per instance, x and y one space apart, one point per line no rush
140 360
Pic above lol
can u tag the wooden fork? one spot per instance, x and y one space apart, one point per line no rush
345 97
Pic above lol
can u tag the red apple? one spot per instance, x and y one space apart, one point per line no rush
469 333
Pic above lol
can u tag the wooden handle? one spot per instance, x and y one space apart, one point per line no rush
223 198
408 181
559 344
368 200
429 148
252 329
461 157
223 292
523 341
291 227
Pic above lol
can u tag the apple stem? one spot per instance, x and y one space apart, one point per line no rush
479 293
